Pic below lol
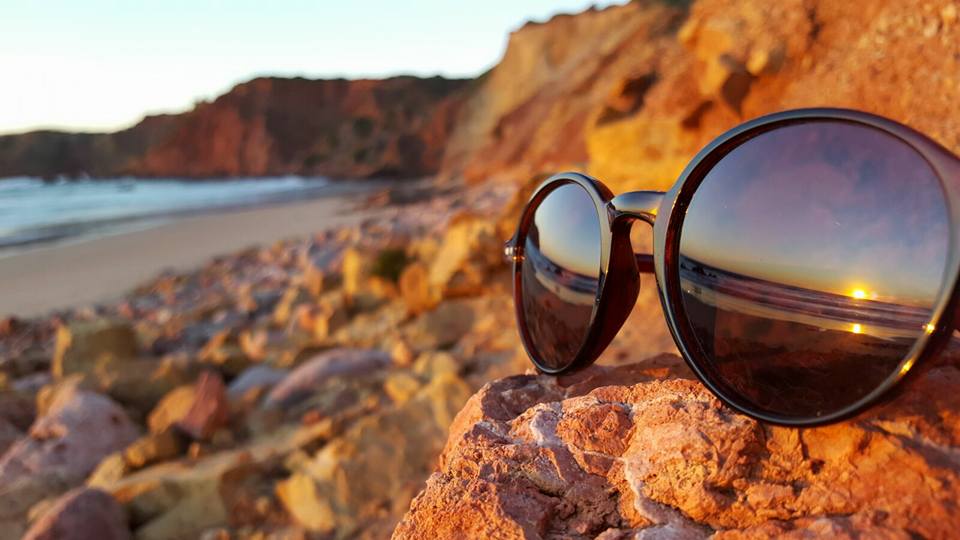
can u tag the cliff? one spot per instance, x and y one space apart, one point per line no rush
268 126
631 93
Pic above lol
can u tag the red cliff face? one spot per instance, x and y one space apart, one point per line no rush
338 128
268 126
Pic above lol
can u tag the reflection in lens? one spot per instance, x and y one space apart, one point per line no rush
560 274
811 257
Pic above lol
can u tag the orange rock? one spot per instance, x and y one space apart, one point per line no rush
618 452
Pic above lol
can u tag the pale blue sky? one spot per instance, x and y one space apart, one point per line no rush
102 64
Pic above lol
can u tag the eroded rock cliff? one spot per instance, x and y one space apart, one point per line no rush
631 93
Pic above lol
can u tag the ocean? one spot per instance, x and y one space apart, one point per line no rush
33 211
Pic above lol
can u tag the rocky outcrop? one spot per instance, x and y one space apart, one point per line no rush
645 451
268 126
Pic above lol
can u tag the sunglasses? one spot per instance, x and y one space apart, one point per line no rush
806 262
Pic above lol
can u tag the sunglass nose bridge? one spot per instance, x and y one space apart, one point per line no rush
642 205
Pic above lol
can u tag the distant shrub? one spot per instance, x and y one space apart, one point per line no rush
389 264
362 126
315 159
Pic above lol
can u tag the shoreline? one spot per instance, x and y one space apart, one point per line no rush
46 278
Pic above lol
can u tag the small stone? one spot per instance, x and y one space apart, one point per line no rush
255 378
224 351
253 343
442 327
153 448
109 471
313 279
305 504
400 353
285 307
171 408
83 347
415 288
401 386
434 363
355 266
209 410
330 313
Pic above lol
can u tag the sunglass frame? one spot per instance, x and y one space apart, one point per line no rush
619 273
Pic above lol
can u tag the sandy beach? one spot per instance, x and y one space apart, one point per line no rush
53 277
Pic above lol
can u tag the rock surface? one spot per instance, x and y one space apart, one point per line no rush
645 451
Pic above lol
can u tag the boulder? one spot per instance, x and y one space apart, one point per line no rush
81 514
78 430
62 447
643 450
84 347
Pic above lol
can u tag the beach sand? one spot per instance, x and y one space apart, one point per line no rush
46 278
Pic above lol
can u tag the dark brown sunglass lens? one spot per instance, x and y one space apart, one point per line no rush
560 275
811 257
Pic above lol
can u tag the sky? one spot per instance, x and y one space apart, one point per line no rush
101 64
831 207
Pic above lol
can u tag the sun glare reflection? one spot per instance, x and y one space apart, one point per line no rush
856 328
